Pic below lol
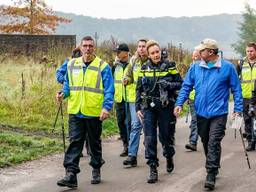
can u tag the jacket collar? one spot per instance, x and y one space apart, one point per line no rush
216 65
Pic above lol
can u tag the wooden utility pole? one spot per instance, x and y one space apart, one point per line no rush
96 37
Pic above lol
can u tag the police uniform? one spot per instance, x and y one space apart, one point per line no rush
155 97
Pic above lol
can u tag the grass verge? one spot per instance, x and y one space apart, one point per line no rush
27 106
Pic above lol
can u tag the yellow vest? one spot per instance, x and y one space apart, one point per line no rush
118 83
131 88
86 89
248 76
192 95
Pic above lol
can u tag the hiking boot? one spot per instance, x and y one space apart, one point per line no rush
169 165
131 161
153 175
191 147
95 176
70 180
210 181
124 152
251 146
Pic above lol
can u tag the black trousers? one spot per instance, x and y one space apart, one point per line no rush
79 130
162 119
123 112
212 132
247 120
172 124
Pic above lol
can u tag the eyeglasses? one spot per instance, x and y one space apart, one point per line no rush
90 46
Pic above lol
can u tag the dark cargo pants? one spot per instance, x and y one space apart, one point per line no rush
123 112
160 118
212 131
250 136
78 129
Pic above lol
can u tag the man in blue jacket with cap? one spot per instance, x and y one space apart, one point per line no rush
212 78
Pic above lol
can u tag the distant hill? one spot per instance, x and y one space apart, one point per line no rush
186 30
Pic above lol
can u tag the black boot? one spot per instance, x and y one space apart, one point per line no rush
251 146
153 175
70 180
210 181
169 165
131 161
124 152
191 147
95 176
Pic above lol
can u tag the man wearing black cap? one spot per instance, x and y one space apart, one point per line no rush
122 108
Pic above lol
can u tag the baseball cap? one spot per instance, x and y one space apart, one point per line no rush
207 44
122 47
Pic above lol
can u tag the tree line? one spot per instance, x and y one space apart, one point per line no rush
36 17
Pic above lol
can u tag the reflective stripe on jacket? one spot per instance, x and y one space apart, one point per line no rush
86 89
248 77
131 88
118 81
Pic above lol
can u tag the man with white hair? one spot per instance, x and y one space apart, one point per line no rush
212 78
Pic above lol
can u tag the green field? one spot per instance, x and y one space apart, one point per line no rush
28 110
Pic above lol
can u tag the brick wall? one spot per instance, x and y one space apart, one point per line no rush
36 45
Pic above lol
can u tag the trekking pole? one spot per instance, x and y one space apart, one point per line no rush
187 114
56 118
62 127
246 155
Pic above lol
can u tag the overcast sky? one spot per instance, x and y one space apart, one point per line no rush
146 8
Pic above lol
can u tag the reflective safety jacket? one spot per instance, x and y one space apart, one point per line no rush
248 77
135 66
192 95
118 81
86 89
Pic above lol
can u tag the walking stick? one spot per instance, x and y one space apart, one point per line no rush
187 114
237 124
60 110
246 155
62 127
56 118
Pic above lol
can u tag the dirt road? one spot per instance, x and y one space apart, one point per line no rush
188 176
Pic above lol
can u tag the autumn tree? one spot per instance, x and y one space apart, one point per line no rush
29 17
247 29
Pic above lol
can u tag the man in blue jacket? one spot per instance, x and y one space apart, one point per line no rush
212 78
62 70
